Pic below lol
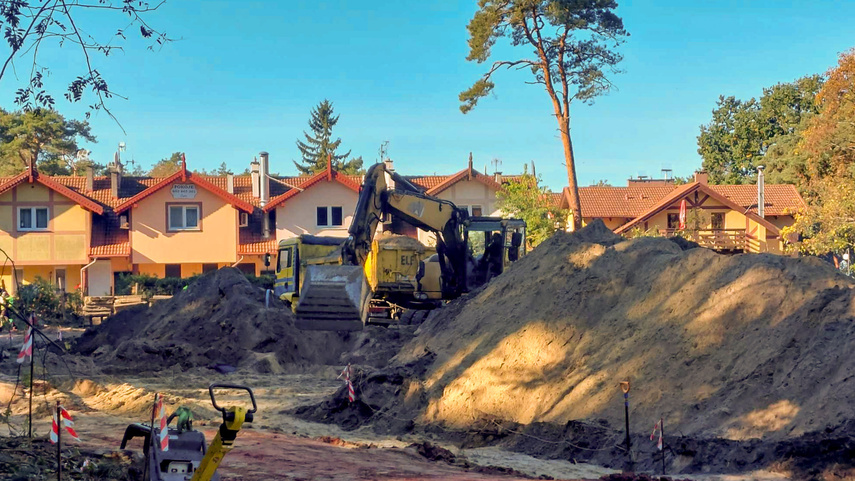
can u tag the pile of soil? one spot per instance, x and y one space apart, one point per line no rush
219 321
736 347
22 458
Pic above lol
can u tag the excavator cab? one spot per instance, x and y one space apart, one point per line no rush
495 244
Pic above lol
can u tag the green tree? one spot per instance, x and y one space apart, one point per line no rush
319 146
573 46
167 166
43 136
31 28
531 202
743 135
223 169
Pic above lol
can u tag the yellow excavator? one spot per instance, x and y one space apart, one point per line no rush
342 284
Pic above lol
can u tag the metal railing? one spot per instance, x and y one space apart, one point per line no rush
717 239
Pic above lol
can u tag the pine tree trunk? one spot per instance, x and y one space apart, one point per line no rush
570 161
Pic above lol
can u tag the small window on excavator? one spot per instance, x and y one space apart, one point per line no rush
477 242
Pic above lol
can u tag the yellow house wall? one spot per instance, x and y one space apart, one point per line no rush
152 243
781 221
66 240
157 270
298 215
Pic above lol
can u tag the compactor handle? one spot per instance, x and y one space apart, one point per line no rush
218 385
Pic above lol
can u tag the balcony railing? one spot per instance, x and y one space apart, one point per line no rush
717 239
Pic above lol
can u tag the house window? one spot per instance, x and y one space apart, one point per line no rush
173 270
183 217
329 216
472 210
32 218
718 220
673 221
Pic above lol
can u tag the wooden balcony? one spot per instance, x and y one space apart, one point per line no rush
733 240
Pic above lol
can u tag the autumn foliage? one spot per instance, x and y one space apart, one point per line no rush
828 224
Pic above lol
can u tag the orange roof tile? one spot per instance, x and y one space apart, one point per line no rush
108 240
780 199
250 243
625 202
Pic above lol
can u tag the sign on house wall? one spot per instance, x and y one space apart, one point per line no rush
184 191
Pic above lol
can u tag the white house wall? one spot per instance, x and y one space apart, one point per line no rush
467 193
298 215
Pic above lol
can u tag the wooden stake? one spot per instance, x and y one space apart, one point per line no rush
624 385
32 366
662 433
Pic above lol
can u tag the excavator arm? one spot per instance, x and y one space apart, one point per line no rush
336 297
441 217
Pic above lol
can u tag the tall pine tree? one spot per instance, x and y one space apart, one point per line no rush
319 146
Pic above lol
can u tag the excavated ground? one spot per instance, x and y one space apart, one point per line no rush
220 321
745 357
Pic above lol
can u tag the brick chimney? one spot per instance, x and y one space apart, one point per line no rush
254 173
90 180
116 177
390 165
497 177
230 183
702 177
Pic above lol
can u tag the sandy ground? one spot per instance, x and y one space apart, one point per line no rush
276 445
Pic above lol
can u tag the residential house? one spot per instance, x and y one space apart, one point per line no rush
726 216
86 231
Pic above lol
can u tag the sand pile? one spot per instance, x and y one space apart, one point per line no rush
737 347
221 319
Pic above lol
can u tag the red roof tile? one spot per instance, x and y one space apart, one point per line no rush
352 182
185 176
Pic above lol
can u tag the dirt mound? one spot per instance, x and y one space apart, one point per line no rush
22 458
734 347
218 321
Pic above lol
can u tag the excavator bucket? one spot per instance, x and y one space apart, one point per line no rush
333 298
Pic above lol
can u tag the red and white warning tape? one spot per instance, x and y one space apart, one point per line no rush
27 348
67 423
657 427
164 430
351 393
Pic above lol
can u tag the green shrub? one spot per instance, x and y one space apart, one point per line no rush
49 304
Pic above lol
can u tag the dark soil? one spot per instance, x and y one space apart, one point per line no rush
23 459
218 321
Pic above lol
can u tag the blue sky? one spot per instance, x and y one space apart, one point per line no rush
243 76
